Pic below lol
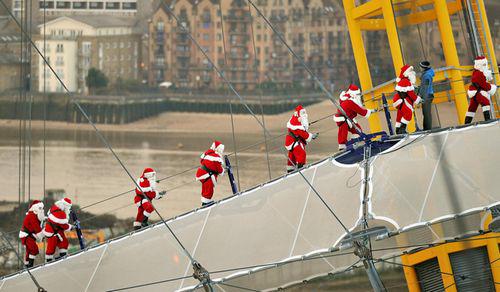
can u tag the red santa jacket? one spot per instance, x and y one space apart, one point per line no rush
147 188
480 85
31 226
352 109
57 222
405 92
297 134
211 165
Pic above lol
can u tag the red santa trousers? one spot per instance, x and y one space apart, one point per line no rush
405 113
479 99
31 248
344 130
144 208
54 242
296 156
207 188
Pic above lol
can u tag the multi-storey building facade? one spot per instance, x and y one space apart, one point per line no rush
76 44
113 7
227 32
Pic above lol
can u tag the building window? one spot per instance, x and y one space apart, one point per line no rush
80 5
160 26
115 45
63 4
206 37
96 5
113 5
122 45
129 6
59 61
60 48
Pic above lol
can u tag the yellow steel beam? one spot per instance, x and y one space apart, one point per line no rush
410 275
451 57
358 48
370 24
490 46
394 44
365 9
494 256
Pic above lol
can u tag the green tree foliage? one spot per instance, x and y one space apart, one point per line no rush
95 80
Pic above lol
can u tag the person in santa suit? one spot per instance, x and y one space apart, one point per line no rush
144 197
350 102
297 138
57 223
31 231
405 98
212 165
480 91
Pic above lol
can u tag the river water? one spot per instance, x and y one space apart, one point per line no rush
77 162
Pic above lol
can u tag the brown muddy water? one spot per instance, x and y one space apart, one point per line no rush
78 162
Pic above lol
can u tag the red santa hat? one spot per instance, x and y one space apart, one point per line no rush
480 62
64 204
217 146
404 72
35 206
148 172
353 90
298 110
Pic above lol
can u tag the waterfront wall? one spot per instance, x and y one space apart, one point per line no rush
122 110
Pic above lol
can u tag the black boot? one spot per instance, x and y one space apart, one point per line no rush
30 263
207 204
145 222
401 130
299 166
137 227
289 170
49 260
487 115
468 120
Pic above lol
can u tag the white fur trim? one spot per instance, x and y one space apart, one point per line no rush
147 214
290 167
368 113
342 146
309 138
338 119
471 93
342 96
289 147
23 234
205 176
205 200
418 100
32 256
47 234
398 79
403 121
397 102
137 223
213 158
293 127
354 136
63 250
486 108
408 105
57 220
493 89
36 207
409 69
49 256
470 114
398 124
405 89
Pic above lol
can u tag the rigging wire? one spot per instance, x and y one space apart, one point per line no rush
226 65
195 167
98 133
45 101
245 104
259 84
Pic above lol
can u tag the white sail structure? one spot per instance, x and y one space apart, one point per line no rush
426 188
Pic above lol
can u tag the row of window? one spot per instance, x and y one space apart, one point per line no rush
87 5
115 45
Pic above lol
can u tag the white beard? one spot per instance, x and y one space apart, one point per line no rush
413 77
40 215
357 100
304 122
488 74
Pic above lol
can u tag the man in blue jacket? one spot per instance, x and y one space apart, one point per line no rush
426 92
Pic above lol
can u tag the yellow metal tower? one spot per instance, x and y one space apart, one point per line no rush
379 15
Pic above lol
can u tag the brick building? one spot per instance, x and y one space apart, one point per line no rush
315 29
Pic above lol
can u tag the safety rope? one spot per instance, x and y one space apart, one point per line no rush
197 166
99 134
39 288
226 65
245 104
302 62
259 85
